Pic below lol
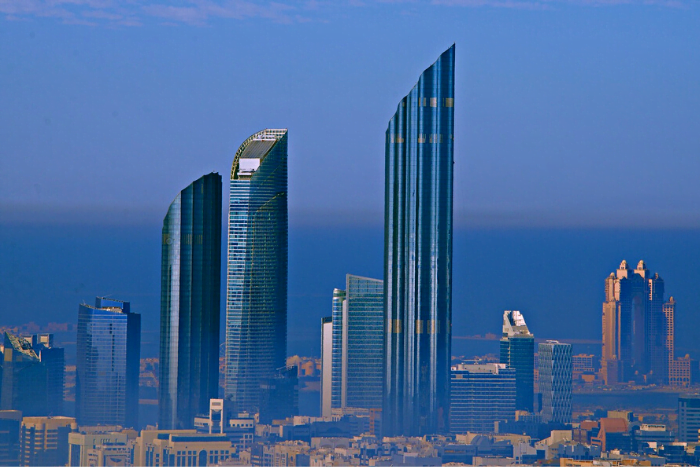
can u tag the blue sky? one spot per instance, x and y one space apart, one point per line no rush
568 113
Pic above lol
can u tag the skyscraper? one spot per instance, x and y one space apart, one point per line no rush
190 303
107 364
326 365
635 330
518 352
418 254
54 359
555 381
482 394
356 346
688 417
256 290
24 378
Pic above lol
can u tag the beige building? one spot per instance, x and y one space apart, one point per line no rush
44 440
180 447
98 446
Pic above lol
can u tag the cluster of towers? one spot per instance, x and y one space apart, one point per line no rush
409 314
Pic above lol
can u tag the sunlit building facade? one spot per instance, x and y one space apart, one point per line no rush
418 254
190 303
256 290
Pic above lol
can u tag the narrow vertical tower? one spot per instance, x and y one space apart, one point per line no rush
190 304
518 352
256 291
418 255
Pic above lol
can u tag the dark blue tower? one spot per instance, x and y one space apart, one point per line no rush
418 255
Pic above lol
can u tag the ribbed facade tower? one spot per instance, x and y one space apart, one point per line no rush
418 255
518 352
256 291
190 304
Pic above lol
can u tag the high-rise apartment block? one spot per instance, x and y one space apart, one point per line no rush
637 327
107 364
555 374
418 255
190 303
688 418
256 290
24 378
482 394
355 346
518 352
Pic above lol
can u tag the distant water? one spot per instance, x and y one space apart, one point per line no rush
555 277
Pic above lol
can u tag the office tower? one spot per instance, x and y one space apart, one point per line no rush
418 255
256 291
326 365
190 303
54 359
482 394
44 440
357 344
518 352
688 417
555 381
107 382
279 395
10 423
635 327
24 378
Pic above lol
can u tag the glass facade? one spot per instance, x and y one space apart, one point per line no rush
554 363
54 360
24 378
358 344
106 387
518 352
482 394
418 255
256 291
190 304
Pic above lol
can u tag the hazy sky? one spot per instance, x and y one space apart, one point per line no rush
567 112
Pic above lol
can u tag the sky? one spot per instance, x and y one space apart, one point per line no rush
576 144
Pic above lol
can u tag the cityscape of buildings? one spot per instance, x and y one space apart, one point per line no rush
390 390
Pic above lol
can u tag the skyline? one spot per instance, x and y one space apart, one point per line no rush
586 98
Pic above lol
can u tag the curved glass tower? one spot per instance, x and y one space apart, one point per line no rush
256 291
190 304
418 255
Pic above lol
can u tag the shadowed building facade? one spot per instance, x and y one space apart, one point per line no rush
256 290
418 255
23 376
518 352
107 364
190 304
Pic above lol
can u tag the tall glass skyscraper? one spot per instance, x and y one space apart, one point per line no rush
418 255
190 304
256 291
518 352
357 345
554 363
107 364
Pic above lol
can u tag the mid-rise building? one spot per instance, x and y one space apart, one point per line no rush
555 381
107 364
238 427
418 255
518 352
355 346
84 446
44 440
190 303
637 327
24 378
482 394
158 448
10 424
688 417
279 395
256 289
54 359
